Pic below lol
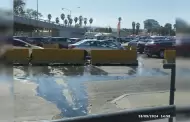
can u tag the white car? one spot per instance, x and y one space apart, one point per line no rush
19 44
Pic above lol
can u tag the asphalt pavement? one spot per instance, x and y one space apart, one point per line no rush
69 91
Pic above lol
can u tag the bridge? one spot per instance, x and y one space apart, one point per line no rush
29 25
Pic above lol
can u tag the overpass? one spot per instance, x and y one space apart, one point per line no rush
28 25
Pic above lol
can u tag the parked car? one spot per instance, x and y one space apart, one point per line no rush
157 47
93 44
20 44
63 42
74 40
39 41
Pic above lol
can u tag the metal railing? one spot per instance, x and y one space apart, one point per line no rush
139 115
43 20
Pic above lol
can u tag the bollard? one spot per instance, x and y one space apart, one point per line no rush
171 66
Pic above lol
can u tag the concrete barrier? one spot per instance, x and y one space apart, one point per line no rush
51 46
111 57
57 56
170 56
17 56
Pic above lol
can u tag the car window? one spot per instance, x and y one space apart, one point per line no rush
90 43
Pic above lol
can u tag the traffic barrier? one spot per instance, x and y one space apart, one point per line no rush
170 56
57 56
117 57
51 46
17 56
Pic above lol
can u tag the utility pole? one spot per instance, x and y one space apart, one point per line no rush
37 18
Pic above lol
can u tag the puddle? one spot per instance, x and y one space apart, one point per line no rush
64 87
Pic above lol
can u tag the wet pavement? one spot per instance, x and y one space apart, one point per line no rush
63 85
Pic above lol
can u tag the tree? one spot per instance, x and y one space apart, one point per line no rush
133 27
85 21
70 21
68 17
90 21
29 13
137 28
119 19
66 22
36 14
18 7
49 17
57 20
110 30
80 20
168 27
62 17
76 20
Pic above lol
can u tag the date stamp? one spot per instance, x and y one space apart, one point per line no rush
154 116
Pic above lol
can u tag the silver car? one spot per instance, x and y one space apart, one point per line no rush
92 44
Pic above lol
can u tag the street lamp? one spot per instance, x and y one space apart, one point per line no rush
37 17
67 10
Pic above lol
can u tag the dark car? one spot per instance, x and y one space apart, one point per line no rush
39 41
63 42
141 45
157 47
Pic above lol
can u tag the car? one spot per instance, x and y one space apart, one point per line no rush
93 44
20 44
39 41
157 47
141 45
63 42
74 40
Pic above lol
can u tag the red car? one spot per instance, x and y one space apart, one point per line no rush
157 47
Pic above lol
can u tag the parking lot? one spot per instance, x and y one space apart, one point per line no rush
68 91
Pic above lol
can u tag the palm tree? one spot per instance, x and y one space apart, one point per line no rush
90 21
57 20
76 20
49 17
137 28
85 21
119 19
19 7
80 20
133 26
168 26
66 22
70 21
62 17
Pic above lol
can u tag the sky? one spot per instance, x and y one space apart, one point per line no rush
106 12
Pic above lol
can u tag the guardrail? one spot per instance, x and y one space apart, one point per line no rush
43 20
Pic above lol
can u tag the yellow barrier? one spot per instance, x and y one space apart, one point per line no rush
51 46
170 56
20 56
114 57
60 56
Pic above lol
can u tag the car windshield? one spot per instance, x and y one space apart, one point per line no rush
98 57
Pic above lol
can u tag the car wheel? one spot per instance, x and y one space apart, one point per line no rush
161 54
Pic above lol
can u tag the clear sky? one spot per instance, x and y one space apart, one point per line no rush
106 12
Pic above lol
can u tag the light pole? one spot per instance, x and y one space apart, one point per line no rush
37 17
67 10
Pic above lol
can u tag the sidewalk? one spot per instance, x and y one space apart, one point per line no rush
131 101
